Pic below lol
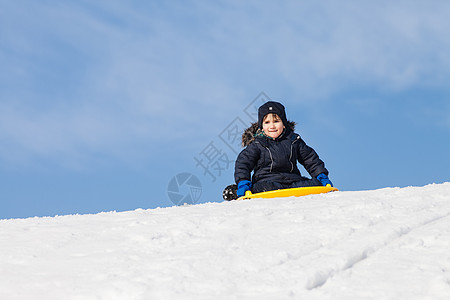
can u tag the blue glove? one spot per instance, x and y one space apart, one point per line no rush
324 179
243 186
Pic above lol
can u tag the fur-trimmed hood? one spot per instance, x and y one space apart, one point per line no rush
249 134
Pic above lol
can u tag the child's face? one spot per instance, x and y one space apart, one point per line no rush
272 125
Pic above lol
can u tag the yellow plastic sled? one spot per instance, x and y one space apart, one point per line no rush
297 192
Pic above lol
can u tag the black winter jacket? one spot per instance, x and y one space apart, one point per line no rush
276 160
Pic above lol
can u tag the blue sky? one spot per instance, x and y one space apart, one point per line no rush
103 103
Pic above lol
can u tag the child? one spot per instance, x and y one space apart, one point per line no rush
272 151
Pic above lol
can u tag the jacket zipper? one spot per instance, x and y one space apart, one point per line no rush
271 158
290 157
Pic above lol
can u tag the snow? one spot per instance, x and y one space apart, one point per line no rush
392 243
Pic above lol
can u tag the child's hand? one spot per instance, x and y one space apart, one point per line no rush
324 179
243 186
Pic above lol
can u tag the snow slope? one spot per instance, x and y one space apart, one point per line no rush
391 243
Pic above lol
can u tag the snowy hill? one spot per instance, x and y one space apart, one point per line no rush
390 243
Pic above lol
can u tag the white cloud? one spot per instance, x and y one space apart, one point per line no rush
395 46
93 78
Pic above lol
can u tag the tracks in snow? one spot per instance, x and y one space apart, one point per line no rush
341 260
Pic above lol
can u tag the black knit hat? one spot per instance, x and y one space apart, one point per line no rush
271 107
